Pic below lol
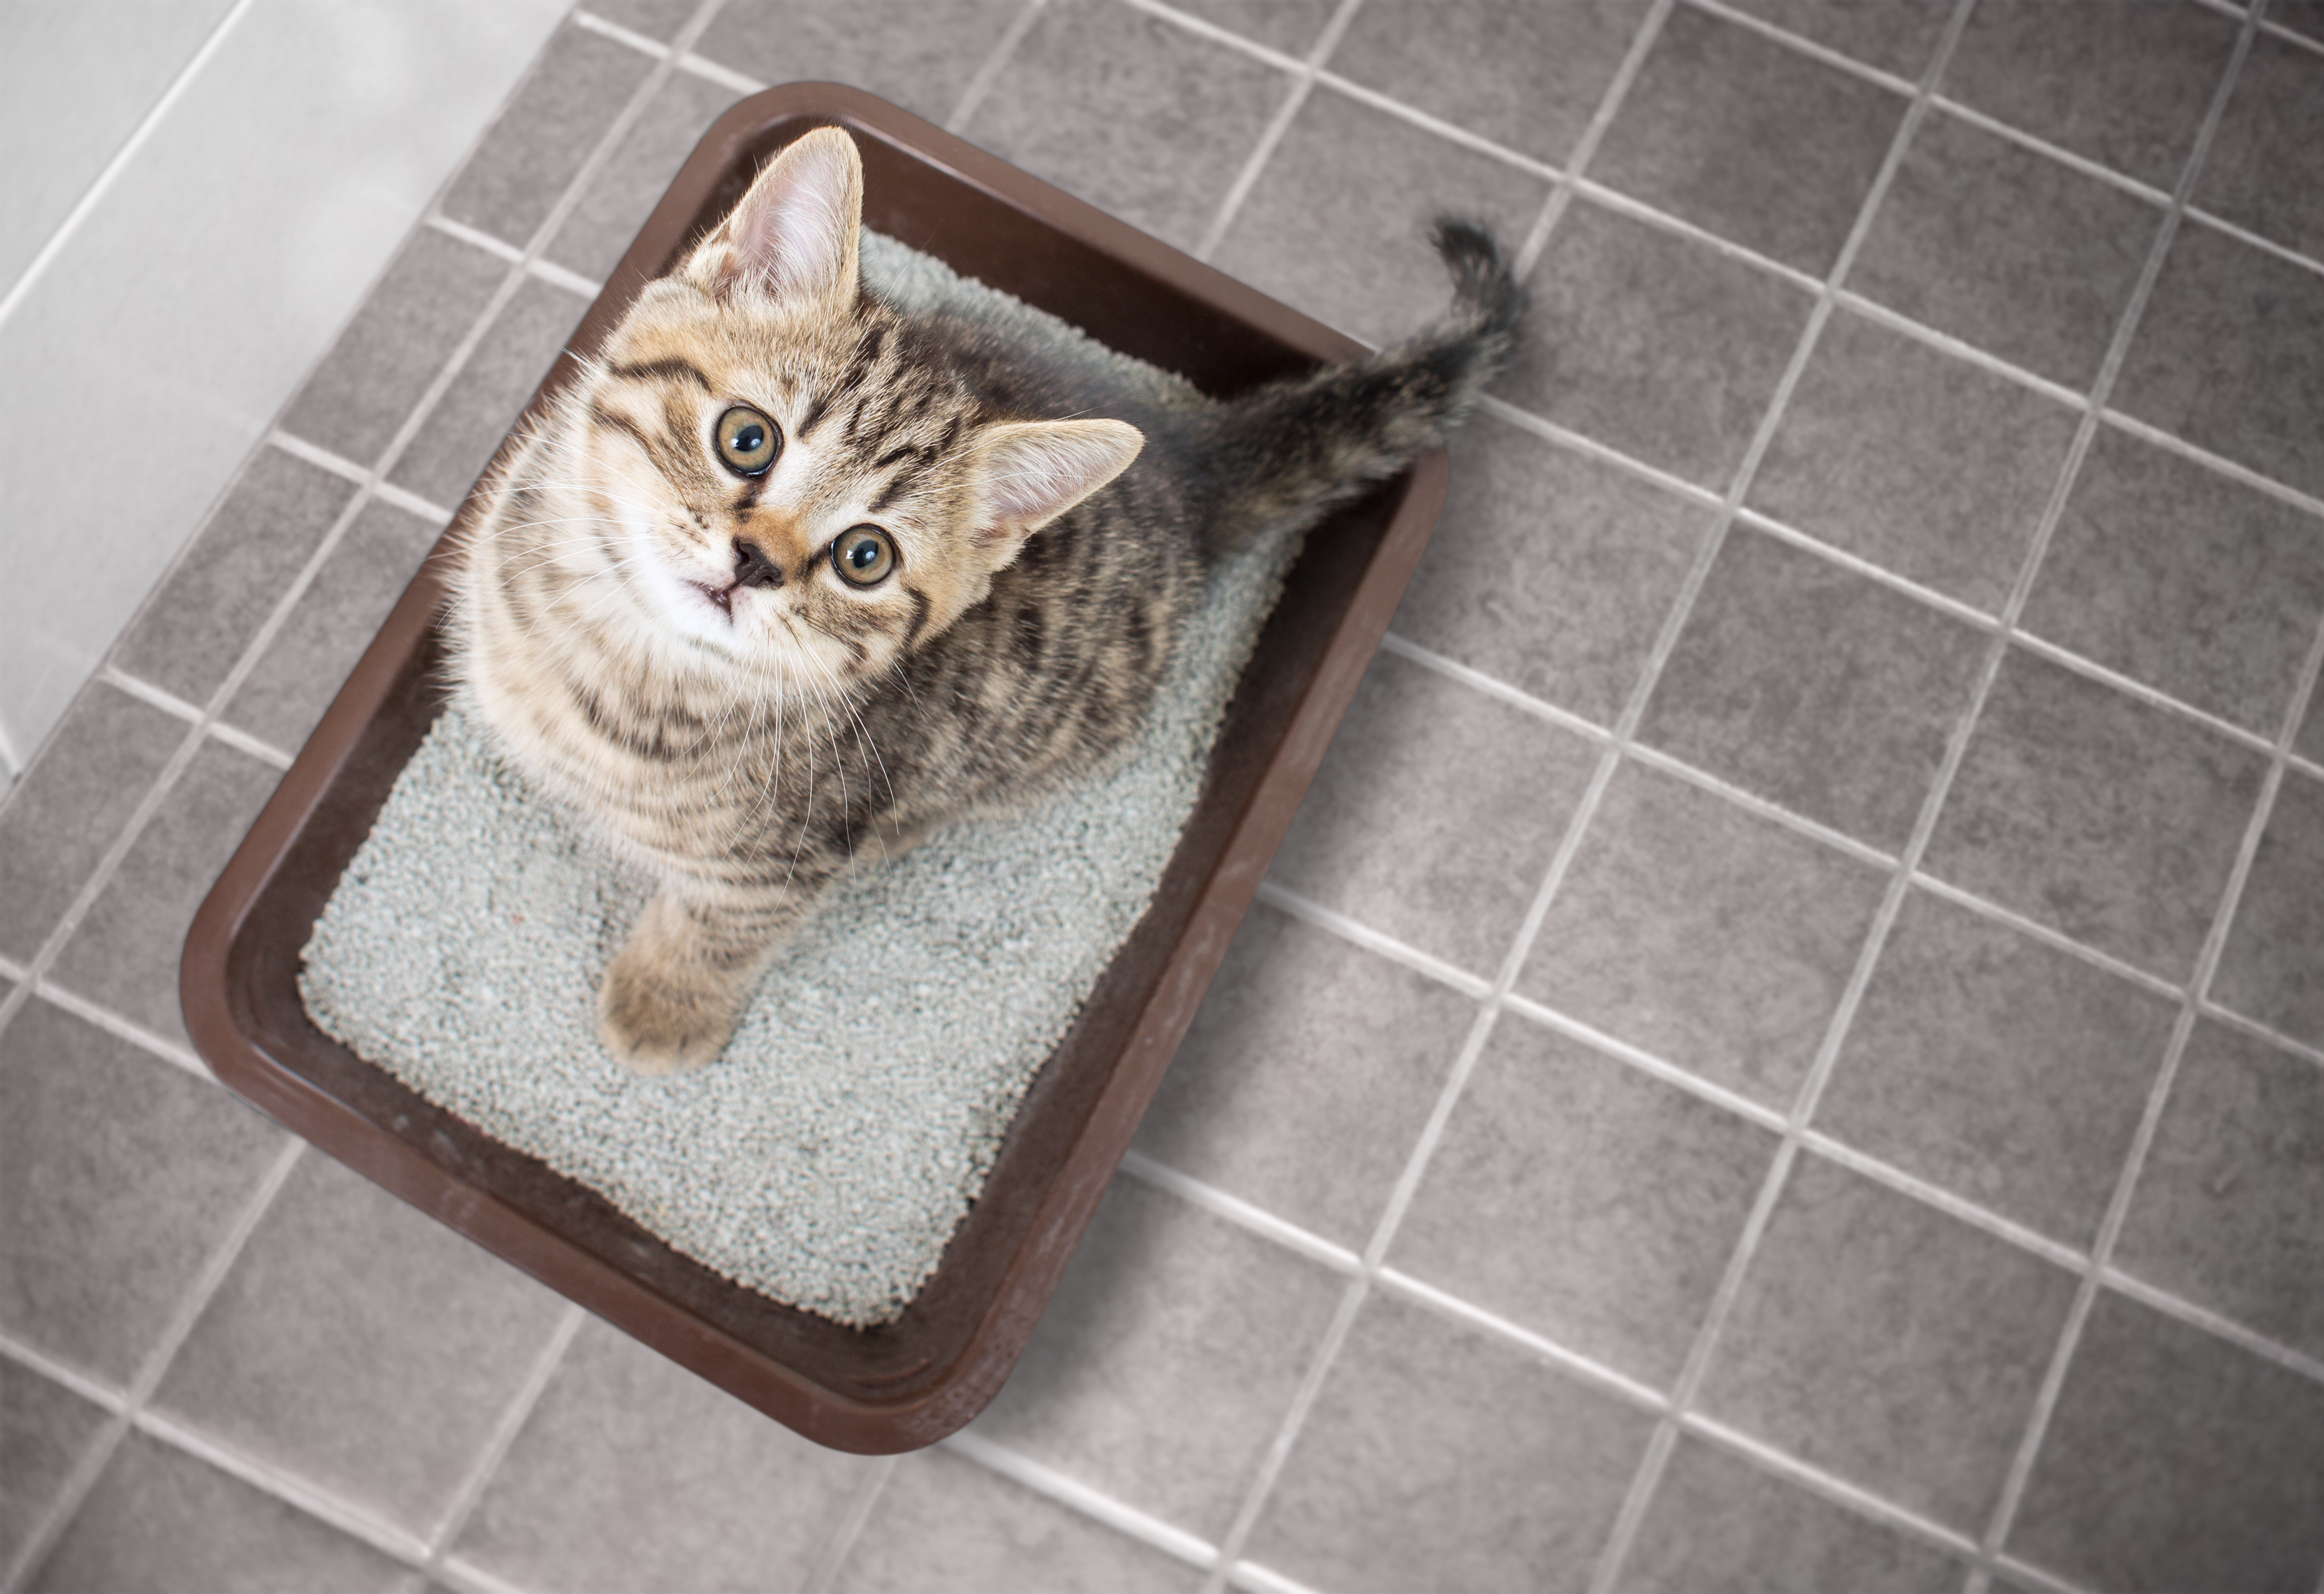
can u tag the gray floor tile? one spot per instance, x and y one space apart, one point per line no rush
1655 344
1998 1068
1438 1459
1292 26
1924 463
1530 1207
1337 224
69 806
360 1344
119 1175
45 1430
631 1473
1897 36
2095 814
1815 688
2225 1214
2185 579
456 440
125 952
1881 1340
2304 17
1305 1079
2176 1460
191 633
331 624
158 1518
918 56
2272 966
2308 742
1703 933
2124 82
1549 570
1750 140
625 189
2260 171
1435 813
1165 1360
2008 250
2226 357
656 19
1526 77
1720 1525
944 1523
398 341
528 157
1147 120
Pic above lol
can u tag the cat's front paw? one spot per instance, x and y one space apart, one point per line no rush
653 1026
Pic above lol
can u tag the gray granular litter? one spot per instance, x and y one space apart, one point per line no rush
827 1156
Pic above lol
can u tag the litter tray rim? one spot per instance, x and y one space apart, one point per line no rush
870 1391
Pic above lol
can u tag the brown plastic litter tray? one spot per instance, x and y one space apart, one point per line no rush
909 1383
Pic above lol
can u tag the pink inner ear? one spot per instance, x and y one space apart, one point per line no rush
1034 472
795 226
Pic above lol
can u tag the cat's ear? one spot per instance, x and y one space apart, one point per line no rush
1028 473
794 233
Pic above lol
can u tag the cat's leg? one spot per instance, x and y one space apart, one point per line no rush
673 993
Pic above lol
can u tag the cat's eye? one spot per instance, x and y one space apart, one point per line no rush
863 555
747 440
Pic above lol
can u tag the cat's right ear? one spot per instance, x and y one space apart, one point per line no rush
794 233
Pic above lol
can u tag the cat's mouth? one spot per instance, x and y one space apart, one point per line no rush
722 598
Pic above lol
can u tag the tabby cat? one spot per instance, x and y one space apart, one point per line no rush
791 577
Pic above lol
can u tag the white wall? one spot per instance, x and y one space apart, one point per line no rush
194 197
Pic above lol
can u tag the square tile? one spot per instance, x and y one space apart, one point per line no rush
1337 222
1435 813
45 1430
2176 1460
624 191
1818 688
1655 344
1744 138
2226 356
2006 249
1705 934
1528 78
2272 968
119 1175
362 1345
1897 36
918 56
1721 1523
2124 82
1436 1458
1305 1079
1998 1067
2098 814
2307 742
65 811
331 624
1883 1342
1549 570
1147 120
1165 1360
2225 1214
456 440
1532 1206
2183 578
945 1523
401 335
1292 26
1924 463
125 952
529 157
2260 173
632 1473
158 1518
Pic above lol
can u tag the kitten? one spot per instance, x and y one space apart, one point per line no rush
791 577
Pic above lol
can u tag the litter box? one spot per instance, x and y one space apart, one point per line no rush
907 1383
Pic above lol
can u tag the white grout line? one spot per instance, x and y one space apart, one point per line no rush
1302 84
2032 143
995 62
824 1574
1593 134
2058 940
1590 447
243 742
1856 564
1260 1580
1243 1214
1072 1491
1582 1368
446 1532
1799 44
710 71
1287 900
2284 34
465 1576
324 1506
589 21
98 1017
1646 1063
11 766
2211 1010
2220 463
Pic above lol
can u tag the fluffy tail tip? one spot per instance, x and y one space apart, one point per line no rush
1484 286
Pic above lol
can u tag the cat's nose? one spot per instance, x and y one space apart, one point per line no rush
753 568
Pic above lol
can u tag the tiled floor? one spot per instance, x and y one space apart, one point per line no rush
1786 1049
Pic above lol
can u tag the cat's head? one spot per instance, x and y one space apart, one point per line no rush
782 485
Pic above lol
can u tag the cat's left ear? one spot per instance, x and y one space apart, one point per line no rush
1028 473
794 233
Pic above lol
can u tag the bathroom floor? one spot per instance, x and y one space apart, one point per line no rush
1785 1050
